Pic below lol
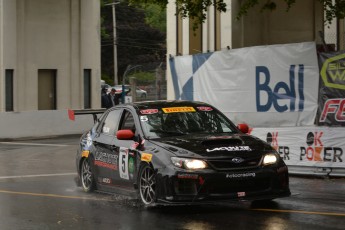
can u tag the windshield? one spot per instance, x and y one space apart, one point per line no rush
174 121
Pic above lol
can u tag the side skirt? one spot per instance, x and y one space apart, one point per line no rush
113 189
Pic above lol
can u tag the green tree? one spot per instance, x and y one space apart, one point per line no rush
196 9
156 17
137 42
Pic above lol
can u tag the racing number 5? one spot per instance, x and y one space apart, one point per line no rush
124 162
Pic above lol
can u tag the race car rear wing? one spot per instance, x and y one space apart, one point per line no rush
94 112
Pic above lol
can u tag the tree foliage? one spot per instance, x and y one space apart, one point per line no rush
156 17
196 9
137 42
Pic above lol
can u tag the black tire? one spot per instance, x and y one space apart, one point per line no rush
87 180
147 185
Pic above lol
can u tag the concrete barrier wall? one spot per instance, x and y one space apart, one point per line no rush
29 124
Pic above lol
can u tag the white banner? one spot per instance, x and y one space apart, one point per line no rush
307 146
264 86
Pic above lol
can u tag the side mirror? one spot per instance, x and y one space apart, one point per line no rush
125 134
244 128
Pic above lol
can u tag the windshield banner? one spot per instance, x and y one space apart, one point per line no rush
307 146
331 110
263 86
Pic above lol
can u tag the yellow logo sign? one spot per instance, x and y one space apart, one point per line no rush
178 109
333 72
146 157
85 153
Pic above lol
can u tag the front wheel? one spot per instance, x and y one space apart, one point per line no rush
86 174
147 185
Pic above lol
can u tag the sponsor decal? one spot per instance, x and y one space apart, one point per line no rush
204 108
272 139
187 176
149 111
106 165
178 110
333 72
104 180
144 118
240 175
230 149
241 194
146 157
106 129
123 163
131 165
334 107
316 151
106 160
85 153
284 95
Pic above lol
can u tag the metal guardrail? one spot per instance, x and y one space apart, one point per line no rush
316 171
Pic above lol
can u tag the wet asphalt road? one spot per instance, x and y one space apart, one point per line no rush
37 191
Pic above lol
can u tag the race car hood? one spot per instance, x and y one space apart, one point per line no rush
214 146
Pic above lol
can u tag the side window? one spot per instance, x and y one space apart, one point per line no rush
128 121
111 122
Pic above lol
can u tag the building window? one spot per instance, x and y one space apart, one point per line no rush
195 38
217 41
179 42
87 88
9 89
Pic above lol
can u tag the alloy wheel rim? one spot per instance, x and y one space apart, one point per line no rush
147 186
86 175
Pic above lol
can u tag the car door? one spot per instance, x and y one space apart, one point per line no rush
127 151
106 157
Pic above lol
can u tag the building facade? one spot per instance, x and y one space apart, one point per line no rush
49 55
301 23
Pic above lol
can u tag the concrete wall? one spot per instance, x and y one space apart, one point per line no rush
300 24
62 35
47 123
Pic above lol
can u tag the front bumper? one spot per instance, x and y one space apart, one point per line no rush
212 186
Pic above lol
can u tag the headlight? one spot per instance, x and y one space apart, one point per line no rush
187 163
270 159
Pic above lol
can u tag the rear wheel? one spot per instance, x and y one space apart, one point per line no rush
147 185
87 179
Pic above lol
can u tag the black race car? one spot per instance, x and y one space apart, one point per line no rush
178 152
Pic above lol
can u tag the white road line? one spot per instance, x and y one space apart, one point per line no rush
39 175
33 144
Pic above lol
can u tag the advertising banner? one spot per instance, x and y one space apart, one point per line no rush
264 86
331 111
307 146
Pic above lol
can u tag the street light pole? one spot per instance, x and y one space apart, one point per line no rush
116 79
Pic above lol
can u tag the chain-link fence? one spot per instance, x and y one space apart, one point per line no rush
147 80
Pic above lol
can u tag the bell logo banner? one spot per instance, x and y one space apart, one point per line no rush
264 86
